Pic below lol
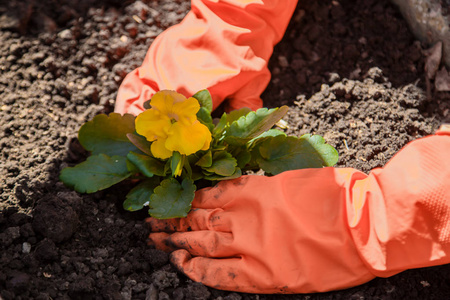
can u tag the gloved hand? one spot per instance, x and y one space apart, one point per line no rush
317 230
220 45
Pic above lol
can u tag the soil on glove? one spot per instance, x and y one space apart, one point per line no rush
351 72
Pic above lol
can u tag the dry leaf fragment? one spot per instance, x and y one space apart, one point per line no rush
433 60
442 81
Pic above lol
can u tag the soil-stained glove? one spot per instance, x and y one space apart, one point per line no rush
317 230
221 45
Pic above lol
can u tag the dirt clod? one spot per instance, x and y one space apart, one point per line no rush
54 219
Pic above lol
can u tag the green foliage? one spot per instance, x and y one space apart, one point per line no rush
228 119
204 116
108 134
205 100
269 133
147 165
252 125
206 160
140 142
97 173
172 199
242 140
140 195
223 164
177 163
243 158
280 153
215 177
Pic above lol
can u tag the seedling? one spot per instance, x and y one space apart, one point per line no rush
175 143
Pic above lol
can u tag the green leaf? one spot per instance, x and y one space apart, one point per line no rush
237 173
223 164
269 133
167 166
278 154
147 165
204 116
177 163
253 124
243 158
205 160
97 173
140 142
108 134
197 175
187 167
172 199
139 196
132 167
205 100
229 118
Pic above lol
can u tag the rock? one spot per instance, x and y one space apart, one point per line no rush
66 34
434 56
427 22
26 248
442 81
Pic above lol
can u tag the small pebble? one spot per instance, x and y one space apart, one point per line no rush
26 247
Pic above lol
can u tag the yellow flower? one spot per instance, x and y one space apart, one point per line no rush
172 125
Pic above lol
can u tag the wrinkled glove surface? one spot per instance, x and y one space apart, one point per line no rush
317 230
222 46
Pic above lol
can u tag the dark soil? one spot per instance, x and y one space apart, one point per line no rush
351 72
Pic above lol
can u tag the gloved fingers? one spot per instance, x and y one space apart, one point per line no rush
197 243
158 239
222 274
197 219
219 195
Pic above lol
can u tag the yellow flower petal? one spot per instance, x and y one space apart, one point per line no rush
186 111
208 139
163 101
172 125
152 124
159 149
188 139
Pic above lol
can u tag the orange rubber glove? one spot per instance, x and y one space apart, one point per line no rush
317 230
221 45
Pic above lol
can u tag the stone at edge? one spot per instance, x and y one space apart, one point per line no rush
426 21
